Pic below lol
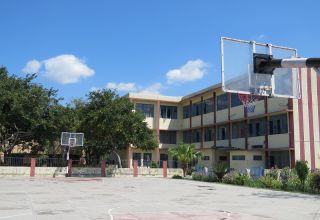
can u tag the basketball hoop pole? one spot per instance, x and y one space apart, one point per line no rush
265 64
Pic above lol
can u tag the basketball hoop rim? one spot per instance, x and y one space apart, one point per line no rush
247 98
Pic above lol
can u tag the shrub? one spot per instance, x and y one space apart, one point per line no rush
236 178
209 178
284 177
273 173
293 183
154 164
302 170
219 169
177 177
314 181
205 178
197 176
252 183
269 182
229 178
241 179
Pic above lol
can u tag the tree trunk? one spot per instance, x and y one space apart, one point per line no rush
184 169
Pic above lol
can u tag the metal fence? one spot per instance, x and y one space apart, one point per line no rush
15 161
51 162
61 162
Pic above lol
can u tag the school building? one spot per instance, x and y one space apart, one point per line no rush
278 132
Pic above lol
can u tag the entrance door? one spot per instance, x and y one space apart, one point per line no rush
137 156
147 158
163 157
271 161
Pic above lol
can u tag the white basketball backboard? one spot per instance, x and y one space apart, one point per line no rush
238 75
72 139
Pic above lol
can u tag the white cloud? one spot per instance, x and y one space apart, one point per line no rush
33 66
94 89
64 69
128 87
191 71
153 89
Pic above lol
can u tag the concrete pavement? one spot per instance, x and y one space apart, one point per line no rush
147 198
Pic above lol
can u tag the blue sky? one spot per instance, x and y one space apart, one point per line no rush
169 47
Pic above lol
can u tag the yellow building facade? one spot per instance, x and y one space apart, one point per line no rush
278 132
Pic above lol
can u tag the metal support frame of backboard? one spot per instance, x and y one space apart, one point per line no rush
267 64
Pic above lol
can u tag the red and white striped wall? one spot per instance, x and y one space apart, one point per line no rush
306 114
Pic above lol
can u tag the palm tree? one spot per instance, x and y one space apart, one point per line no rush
185 154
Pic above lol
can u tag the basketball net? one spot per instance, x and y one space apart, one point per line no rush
248 101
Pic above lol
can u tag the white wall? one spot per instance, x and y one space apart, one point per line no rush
169 124
208 119
260 140
248 162
238 143
279 141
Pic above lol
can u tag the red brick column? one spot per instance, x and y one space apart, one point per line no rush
129 157
229 119
158 130
33 167
135 168
266 137
158 154
103 168
164 165
69 168
291 133
201 124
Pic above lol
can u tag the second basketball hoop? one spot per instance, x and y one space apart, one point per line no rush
248 102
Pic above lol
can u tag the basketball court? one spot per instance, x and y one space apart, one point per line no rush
147 198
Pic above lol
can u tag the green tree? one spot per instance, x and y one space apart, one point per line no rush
302 170
220 169
27 113
185 153
110 123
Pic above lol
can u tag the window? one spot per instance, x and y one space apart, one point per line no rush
186 136
147 156
257 157
222 132
222 102
196 136
235 101
146 109
238 130
238 157
163 157
278 124
257 127
137 156
168 111
168 137
279 158
223 158
208 134
206 158
186 111
196 109
257 146
207 106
